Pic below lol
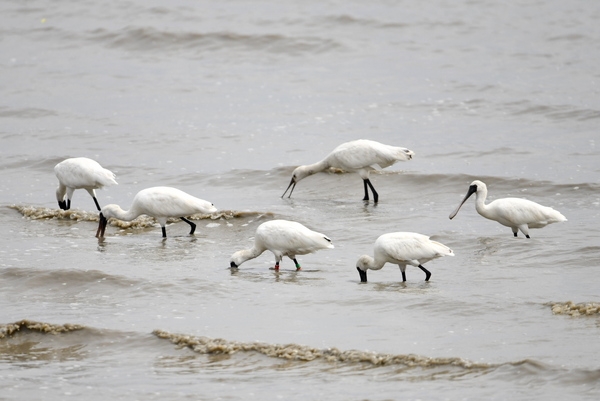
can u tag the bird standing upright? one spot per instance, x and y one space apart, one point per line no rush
160 203
402 248
360 156
516 213
283 238
80 173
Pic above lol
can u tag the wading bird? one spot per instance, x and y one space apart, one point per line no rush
160 203
360 156
516 213
283 238
80 173
402 249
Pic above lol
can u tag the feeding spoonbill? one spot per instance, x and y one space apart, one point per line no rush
77 173
403 249
283 238
360 156
516 213
160 203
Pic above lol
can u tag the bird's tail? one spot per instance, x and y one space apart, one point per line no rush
442 249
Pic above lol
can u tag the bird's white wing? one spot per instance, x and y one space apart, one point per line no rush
293 238
412 246
83 173
171 202
522 211
364 153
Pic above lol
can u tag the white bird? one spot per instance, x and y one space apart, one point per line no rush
403 249
283 238
160 203
360 156
78 173
516 213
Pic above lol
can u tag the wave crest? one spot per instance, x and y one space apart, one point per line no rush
37 213
205 345
575 310
11 329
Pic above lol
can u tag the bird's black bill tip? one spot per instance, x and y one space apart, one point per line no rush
362 274
472 190
101 226
292 182
233 265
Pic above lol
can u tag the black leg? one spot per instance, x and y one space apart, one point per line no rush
375 194
164 231
192 225
297 264
366 191
68 204
62 205
527 236
427 272
515 234
97 204
403 276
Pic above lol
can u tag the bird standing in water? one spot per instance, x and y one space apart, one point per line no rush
402 248
360 156
160 203
516 213
283 238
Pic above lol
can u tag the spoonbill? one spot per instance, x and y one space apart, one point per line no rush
360 156
160 203
516 213
77 173
402 248
283 238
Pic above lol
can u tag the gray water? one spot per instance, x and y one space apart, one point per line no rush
223 100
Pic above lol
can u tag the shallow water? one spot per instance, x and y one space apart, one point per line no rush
223 100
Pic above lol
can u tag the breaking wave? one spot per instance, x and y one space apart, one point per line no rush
249 354
291 352
11 329
575 310
37 213
205 345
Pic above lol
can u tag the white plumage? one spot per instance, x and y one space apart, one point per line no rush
402 248
283 238
516 213
80 173
360 156
160 203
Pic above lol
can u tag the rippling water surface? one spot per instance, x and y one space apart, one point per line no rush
223 100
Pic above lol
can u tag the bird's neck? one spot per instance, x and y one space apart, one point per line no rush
116 212
251 253
480 205
373 264
60 192
318 166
